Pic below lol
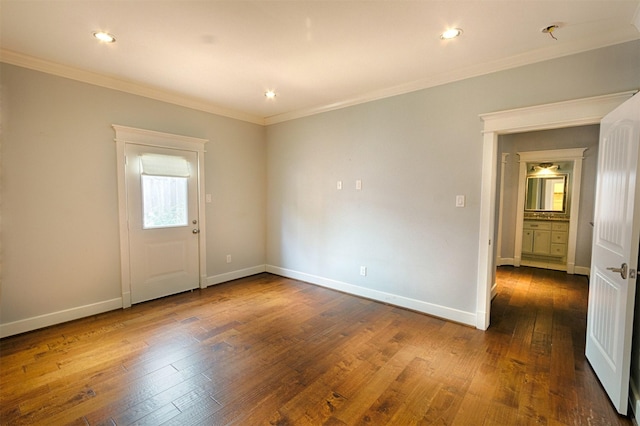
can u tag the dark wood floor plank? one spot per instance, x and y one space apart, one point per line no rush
163 399
379 381
396 395
117 394
267 350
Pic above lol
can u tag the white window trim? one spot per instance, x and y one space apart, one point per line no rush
129 135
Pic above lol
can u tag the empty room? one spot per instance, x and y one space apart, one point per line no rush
319 212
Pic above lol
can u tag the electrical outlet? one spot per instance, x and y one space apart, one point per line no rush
358 184
228 258
363 271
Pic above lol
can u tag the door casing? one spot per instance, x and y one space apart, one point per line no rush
126 135
574 155
579 112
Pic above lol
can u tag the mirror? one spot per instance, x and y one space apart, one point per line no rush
546 193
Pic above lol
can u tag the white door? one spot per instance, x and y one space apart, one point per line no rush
616 238
162 210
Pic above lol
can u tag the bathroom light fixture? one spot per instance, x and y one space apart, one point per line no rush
546 167
451 33
270 94
104 37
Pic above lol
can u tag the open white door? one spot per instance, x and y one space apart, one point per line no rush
616 239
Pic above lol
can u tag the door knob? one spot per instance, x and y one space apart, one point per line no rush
195 231
622 270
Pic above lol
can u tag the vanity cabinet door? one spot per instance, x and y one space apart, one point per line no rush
541 242
527 241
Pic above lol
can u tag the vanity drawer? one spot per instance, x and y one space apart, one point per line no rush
558 249
562 226
537 225
558 237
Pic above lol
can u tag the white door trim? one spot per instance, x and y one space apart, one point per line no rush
499 258
573 154
571 113
132 135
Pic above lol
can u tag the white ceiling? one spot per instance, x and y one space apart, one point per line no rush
221 56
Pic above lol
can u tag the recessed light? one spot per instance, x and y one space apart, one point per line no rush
270 94
104 37
451 33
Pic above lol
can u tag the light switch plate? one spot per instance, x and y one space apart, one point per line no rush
460 200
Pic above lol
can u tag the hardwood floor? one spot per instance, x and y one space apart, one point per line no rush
270 350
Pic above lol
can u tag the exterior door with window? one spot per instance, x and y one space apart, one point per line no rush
162 204
614 258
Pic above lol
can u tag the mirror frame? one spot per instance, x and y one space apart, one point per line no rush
565 178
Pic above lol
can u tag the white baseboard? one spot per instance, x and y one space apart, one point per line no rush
582 270
234 275
494 290
380 296
505 261
41 321
534 263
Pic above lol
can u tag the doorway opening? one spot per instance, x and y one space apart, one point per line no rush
161 213
542 117
550 237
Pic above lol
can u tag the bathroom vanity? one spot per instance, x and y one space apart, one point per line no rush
545 240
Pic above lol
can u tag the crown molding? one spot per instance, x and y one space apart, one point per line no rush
534 56
122 85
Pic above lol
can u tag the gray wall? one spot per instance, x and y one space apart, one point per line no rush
60 238
574 137
414 154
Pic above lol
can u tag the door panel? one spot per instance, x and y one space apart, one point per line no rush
616 238
527 241
541 242
162 205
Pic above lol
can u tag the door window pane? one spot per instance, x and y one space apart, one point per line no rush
164 201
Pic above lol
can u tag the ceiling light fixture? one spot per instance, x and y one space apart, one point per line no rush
270 94
104 37
550 29
451 33
545 167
